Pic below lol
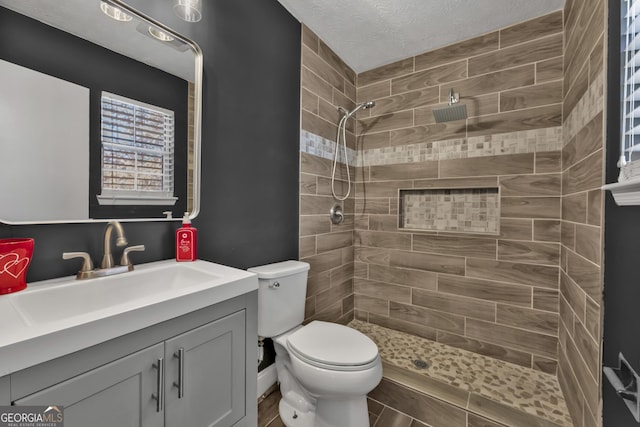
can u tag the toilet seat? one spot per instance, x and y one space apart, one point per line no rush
334 347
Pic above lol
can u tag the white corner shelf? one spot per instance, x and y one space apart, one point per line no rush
625 193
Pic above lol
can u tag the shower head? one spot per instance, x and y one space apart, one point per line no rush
450 113
363 106
453 111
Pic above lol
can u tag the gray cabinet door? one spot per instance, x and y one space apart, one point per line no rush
213 381
117 394
5 391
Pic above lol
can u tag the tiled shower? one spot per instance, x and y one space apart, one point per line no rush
526 289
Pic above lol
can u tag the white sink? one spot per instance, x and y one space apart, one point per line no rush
56 317
79 297
9 315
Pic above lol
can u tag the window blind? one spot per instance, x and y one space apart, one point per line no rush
630 25
137 149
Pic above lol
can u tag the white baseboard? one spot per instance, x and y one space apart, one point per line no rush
266 378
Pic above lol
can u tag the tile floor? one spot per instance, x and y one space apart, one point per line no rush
379 415
527 390
516 395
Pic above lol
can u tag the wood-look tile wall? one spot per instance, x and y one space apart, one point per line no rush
190 144
496 295
581 282
531 295
326 84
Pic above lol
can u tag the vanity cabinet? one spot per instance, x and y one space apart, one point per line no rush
204 383
197 375
116 394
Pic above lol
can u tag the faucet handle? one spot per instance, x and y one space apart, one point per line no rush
125 255
87 264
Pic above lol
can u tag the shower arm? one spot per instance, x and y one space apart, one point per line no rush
453 97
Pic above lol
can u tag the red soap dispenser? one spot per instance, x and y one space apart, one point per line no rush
186 241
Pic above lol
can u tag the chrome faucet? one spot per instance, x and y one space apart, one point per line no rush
107 258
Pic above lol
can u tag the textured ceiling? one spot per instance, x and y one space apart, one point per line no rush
370 33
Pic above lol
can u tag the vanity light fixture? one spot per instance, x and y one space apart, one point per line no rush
189 10
160 35
114 12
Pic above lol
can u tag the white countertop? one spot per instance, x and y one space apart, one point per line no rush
31 334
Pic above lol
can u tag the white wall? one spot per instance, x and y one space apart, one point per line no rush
44 146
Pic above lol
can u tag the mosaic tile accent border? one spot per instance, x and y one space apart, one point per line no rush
311 143
527 390
471 210
531 141
589 106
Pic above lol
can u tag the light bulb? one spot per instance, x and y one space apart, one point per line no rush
189 10
114 12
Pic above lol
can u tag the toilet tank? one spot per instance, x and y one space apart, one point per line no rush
282 292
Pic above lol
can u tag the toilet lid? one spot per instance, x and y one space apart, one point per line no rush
333 344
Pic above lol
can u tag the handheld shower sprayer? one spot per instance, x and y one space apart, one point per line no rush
342 133
363 106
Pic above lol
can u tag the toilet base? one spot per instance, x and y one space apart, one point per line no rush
329 413
291 417
342 412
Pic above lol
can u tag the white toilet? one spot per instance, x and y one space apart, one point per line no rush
325 370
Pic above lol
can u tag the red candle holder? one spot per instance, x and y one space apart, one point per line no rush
15 256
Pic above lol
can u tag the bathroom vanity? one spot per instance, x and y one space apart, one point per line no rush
180 357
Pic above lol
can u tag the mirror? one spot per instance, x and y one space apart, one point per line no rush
59 61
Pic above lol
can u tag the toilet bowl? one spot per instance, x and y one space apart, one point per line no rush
332 360
325 369
333 368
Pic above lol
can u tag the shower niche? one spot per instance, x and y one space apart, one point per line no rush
457 210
